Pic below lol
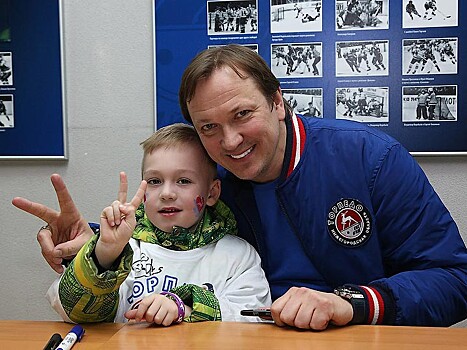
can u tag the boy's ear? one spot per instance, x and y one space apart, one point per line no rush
214 192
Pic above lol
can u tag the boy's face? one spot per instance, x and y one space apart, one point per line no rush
179 185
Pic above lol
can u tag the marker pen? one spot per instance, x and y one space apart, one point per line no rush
55 339
70 339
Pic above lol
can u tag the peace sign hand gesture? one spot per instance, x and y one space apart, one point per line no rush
117 222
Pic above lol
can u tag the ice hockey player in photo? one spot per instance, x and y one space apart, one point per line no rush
310 111
422 104
429 103
361 104
445 49
5 121
296 60
3 109
361 58
377 59
430 56
431 9
5 71
411 9
363 14
352 60
307 102
232 17
295 16
435 13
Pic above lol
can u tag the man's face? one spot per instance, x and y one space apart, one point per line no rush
178 188
240 129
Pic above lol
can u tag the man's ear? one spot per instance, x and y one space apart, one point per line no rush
278 102
214 192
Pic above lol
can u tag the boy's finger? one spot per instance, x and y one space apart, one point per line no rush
123 189
130 314
139 196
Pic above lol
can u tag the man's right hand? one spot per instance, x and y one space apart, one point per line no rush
67 229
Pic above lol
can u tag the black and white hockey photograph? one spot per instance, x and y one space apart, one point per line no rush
297 60
254 47
362 14
307 102
429 13
429 103
429 56
362 58
289 16
6 68
363 104
232 17
6 111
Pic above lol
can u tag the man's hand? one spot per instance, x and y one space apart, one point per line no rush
309 309
67 229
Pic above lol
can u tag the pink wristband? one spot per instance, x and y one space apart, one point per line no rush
180 305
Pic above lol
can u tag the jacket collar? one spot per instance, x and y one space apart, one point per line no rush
294 145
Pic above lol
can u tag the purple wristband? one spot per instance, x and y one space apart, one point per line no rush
180 305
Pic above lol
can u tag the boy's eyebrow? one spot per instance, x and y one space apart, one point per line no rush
178 171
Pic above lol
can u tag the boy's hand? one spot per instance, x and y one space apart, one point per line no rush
154 308
117 224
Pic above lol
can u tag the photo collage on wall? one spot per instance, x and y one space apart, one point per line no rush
7 118
32 109
391 65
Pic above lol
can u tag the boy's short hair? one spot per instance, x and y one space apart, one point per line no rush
176 135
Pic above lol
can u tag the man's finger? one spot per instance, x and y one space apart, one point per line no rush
64 198
139 196
123 189
36 209
69 249
44 237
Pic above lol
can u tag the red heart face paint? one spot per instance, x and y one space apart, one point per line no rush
199 202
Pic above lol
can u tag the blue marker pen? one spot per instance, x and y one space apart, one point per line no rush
74 335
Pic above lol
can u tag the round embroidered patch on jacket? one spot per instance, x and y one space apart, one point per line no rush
349 222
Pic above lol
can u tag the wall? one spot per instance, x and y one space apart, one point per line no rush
109 93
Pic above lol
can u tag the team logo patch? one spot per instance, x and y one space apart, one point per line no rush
349 222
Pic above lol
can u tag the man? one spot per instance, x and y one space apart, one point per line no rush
348 227
422 101
432 102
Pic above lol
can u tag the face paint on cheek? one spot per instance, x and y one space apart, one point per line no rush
199 205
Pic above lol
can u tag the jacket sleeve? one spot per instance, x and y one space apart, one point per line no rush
247 287
425 256
86 294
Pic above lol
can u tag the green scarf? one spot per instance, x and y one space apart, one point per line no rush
216 222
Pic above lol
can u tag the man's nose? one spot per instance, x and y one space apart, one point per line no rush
231 138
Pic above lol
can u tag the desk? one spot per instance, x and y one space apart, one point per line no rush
27 335
238 336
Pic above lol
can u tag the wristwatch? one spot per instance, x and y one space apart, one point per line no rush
356 298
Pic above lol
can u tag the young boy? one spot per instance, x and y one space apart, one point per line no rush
171 258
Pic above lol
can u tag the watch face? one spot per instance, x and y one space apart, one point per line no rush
348 293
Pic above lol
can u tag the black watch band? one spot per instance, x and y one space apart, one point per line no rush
358 301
